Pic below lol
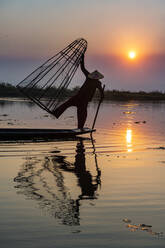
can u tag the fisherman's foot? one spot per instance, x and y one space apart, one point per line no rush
81 129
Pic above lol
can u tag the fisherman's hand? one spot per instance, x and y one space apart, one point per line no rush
102 93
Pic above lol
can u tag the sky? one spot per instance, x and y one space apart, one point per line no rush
31 31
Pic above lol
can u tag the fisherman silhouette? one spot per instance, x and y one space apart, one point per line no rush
84 95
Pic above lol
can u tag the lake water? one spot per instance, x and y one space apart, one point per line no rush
84 192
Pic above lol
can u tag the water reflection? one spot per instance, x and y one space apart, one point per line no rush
44 182
15 102
4 103
129 140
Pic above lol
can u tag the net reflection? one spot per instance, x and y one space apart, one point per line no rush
44 182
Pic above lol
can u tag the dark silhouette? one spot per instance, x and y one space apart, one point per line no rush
87 182
84 95
33 181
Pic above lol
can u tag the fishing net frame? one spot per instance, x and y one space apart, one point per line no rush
46 85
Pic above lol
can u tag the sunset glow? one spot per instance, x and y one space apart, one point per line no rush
132 54
125 49
129 140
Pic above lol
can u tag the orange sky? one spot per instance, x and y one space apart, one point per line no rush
35 30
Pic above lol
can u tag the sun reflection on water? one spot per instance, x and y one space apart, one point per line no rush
129 140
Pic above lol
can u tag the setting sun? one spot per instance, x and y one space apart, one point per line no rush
132 54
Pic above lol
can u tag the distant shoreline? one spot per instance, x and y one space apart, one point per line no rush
8 90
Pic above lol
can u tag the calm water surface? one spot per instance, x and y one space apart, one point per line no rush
81 193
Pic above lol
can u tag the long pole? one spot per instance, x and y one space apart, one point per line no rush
97 110
98 179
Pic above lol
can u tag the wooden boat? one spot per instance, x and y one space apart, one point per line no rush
41 133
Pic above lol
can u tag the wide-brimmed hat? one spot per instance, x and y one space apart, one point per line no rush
95 75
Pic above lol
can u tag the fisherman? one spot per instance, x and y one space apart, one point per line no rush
84 95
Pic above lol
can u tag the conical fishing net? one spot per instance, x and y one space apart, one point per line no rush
47 84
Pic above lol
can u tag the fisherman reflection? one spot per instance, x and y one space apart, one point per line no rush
44 182
87 182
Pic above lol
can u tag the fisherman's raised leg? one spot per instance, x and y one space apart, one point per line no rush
58 111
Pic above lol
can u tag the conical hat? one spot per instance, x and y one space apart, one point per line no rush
95 75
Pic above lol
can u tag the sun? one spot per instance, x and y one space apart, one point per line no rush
132 54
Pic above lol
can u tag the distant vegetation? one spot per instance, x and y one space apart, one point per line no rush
8 90
127 95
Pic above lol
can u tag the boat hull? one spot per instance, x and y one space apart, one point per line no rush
35 133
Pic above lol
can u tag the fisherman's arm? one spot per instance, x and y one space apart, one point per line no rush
84 70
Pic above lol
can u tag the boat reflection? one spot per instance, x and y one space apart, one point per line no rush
45 182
